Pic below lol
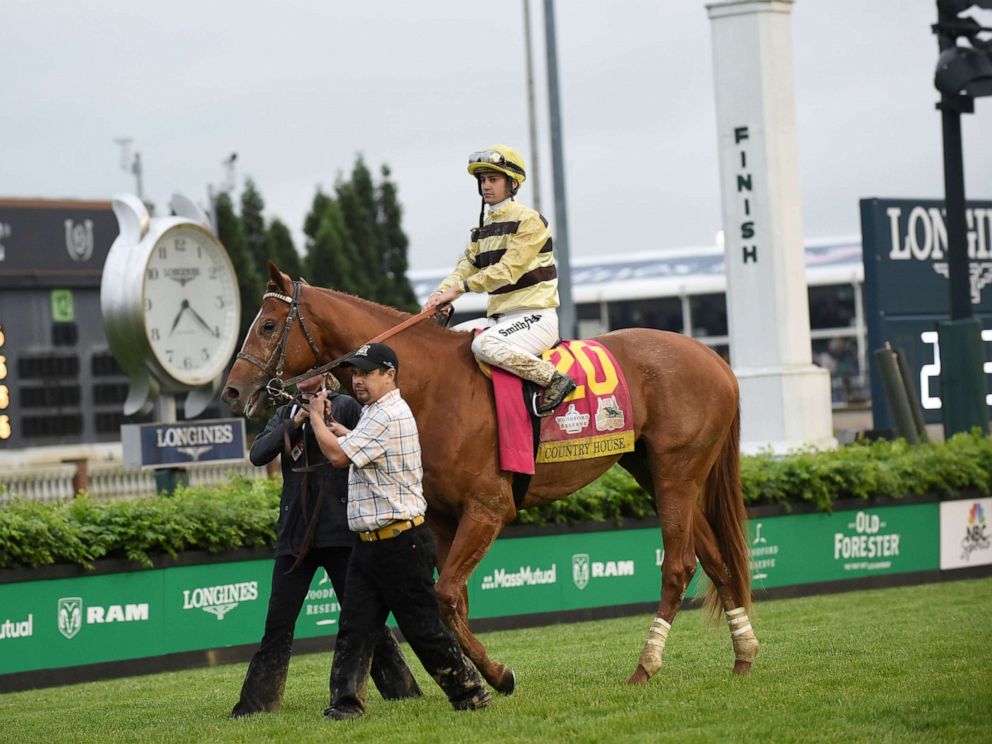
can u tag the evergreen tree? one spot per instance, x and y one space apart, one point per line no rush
355 240
253 225
357 201
279 247
232 236
393 245
311 224
333 257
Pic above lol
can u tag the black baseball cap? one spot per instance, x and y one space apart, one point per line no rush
373 356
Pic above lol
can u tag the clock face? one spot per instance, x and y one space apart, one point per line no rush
191 304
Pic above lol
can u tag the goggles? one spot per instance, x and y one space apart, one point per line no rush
494 157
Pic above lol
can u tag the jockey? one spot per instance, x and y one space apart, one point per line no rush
511 258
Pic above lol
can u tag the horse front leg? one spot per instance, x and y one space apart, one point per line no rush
473 538
675 501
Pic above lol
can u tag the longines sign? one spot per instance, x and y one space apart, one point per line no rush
183 443
906 289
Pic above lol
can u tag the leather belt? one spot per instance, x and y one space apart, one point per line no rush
390 530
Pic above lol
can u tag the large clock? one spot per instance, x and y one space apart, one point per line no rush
170 303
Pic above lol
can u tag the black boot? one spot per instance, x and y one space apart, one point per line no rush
390 672
463 685
265 680
557 390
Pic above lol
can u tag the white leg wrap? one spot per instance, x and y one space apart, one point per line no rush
654 646
745 642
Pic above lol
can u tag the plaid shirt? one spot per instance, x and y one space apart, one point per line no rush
385 480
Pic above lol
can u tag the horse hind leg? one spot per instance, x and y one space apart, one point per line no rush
472 540
675 500
707 549
741 633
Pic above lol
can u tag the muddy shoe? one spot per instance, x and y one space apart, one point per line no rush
341 714
557 390
479 700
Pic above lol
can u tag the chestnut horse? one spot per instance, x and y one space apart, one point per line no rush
686 424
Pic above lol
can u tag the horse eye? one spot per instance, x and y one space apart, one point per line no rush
268 326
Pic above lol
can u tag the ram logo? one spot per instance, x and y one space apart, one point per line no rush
70 616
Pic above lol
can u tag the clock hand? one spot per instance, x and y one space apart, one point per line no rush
201 321
182 307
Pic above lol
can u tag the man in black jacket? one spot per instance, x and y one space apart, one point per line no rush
312 533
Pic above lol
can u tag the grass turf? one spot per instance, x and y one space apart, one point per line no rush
908 664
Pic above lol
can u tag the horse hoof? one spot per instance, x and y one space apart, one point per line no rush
742 667
507 682
639 677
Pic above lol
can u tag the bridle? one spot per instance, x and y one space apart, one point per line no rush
273 367
277 359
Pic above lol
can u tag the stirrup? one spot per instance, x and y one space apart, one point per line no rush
534 398
567 386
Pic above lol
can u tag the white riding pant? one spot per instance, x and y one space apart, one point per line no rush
512 341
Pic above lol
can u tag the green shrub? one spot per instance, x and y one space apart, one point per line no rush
864 470
242 514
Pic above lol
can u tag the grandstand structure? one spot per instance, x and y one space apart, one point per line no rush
684 290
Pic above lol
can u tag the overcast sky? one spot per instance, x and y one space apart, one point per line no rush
297 88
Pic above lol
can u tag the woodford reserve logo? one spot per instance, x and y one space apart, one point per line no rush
221 599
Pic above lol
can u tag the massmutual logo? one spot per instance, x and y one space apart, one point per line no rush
523 576
70 614
583 569
976 532
572 422
17 628
220 599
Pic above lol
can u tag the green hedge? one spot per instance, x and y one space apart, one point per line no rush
861 470
242 514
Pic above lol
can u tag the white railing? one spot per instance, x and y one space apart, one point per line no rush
108 480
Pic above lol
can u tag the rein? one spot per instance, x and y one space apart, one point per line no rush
276 386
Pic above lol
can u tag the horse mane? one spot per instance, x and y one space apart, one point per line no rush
396 316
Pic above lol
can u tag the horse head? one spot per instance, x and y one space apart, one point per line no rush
278 344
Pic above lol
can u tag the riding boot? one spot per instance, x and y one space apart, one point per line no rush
390 672
556 391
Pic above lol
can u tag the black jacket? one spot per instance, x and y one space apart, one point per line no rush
295 513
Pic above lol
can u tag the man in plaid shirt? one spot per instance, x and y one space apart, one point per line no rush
392 565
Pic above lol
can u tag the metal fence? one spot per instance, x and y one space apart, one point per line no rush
108 480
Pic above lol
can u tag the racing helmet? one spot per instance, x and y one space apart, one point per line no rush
499 158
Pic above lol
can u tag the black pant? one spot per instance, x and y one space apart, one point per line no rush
265 680
397 575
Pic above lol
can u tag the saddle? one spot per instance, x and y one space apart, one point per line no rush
595 420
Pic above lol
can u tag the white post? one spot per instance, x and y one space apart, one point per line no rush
785 399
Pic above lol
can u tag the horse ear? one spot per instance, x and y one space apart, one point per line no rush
278 282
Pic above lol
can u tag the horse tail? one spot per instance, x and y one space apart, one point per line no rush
723 506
